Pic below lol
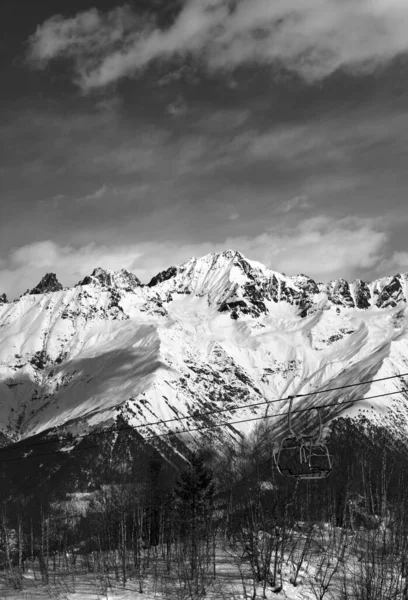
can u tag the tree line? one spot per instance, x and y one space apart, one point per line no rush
143 518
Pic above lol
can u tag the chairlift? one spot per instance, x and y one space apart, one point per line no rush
303 457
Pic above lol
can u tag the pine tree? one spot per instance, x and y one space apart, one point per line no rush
194 494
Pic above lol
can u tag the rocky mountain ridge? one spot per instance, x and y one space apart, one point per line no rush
107 278
220 331
263 284
246 285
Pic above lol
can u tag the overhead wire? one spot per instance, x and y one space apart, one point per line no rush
195 416
182 431
350 385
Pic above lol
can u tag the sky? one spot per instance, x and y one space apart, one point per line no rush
139 135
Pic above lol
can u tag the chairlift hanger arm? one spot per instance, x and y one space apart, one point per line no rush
303 457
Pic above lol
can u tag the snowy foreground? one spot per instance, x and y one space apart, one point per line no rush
324 563
64 585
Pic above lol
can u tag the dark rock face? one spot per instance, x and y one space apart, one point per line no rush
102 276
163 276
256 293
40 359
391 293
49 283
246 268
108 279
362 294
86 281
308 285
129 281
338 293
3 299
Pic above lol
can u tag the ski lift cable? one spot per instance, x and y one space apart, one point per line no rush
350 385
202 415
182 431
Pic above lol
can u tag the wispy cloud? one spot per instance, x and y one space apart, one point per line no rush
96 195
52 203
312 38
296 203
177 108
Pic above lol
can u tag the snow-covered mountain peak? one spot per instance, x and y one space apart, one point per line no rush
231 282
236 284
229 264
221 276
109 279
216 329
227 259
49 283
196 266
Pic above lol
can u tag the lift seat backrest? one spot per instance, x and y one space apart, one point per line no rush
289 463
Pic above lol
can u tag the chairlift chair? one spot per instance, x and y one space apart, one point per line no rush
303 457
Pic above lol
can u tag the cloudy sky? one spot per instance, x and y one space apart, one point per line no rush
138 135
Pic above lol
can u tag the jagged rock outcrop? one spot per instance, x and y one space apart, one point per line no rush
362 294
112 279
3 299
338 292
49 283
163 276
391 294
308 285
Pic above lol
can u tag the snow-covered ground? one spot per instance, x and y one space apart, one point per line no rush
229 584
332 557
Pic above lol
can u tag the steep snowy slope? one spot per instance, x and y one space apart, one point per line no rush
218 332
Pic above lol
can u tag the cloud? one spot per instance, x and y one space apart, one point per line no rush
313 38
39 255
177 108
330 248
88 31
296 203
397 262
322 247
25 266
96 195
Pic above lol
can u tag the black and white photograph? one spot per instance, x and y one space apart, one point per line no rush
203 300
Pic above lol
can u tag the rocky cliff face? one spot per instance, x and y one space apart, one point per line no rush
105 278
49 283
217 332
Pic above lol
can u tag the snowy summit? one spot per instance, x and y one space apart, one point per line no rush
219 331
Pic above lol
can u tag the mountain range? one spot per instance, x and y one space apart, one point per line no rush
219 332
